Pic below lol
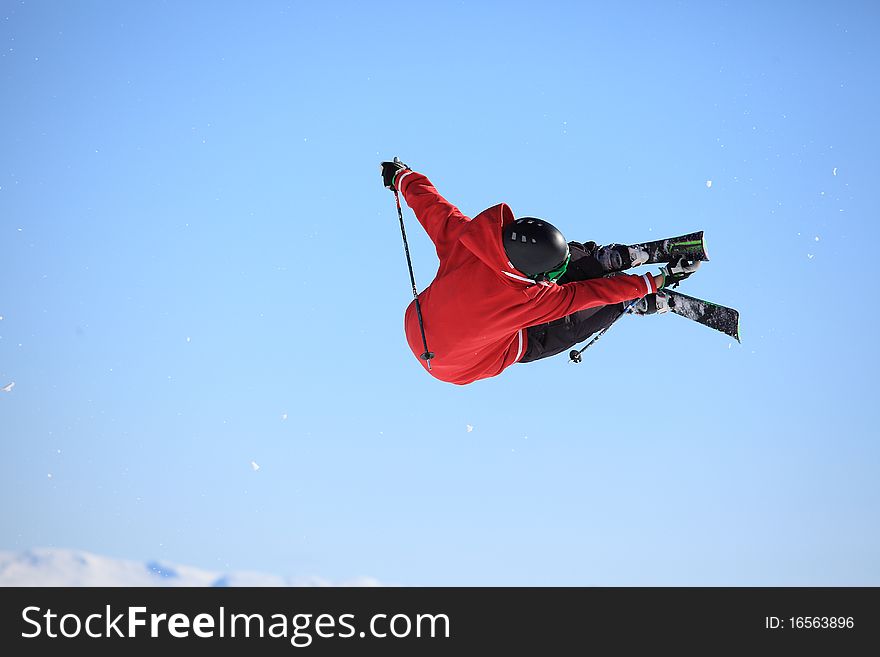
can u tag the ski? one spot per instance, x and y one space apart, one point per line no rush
713 315
692 245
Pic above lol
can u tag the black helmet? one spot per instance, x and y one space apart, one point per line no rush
535 247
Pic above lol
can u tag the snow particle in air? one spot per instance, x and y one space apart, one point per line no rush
470 428
254 466
709 184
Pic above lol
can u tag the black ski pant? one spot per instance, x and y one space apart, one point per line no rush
545 340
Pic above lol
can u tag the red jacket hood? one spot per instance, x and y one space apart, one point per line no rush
483 237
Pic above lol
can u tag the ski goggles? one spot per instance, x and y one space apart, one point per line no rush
557 273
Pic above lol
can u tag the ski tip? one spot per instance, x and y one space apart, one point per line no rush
705 248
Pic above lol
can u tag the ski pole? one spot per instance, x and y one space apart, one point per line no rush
427 356
575 355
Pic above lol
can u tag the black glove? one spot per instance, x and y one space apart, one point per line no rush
678 270
391 169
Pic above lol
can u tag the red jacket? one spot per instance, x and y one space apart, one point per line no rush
477 308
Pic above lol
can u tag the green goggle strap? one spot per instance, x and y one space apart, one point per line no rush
559 271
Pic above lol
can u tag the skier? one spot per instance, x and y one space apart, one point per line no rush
513 290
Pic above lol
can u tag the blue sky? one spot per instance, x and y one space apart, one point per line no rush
196 245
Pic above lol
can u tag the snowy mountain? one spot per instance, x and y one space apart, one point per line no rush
59 567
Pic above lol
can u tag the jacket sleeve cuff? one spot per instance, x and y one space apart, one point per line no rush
650 284
397 181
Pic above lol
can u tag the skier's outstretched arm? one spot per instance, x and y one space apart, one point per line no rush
440 218
563 300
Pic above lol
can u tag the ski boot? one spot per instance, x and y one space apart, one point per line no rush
652 304
618 257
